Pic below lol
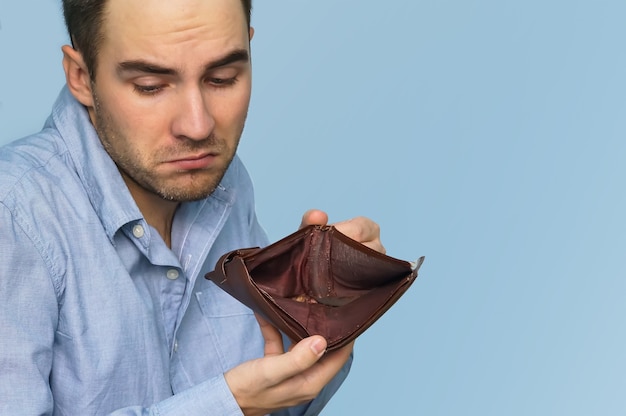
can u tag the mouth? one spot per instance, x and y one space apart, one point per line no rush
194 162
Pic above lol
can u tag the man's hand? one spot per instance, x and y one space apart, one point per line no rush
284 379
361 229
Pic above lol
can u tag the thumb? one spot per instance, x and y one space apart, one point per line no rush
300 358
306 353
314 217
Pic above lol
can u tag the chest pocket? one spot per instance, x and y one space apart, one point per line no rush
217 333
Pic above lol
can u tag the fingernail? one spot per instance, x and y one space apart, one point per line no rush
318 346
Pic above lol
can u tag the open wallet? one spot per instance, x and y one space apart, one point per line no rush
316 281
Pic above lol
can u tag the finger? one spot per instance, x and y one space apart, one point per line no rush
363 230
271 336
327 367
299 359
314 217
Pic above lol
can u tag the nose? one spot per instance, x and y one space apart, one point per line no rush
193 115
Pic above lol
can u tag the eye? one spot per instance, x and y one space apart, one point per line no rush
222 82
148 89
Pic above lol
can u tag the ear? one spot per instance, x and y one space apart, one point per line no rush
251 32
77 76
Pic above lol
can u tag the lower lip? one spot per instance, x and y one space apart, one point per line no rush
194 164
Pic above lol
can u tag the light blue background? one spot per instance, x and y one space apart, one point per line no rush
487 135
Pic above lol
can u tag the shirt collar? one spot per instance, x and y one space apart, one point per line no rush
102 181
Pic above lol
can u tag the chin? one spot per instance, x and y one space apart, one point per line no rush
187 193
184 195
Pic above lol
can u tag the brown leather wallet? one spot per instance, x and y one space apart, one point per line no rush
316 281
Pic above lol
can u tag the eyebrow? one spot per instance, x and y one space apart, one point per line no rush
239 55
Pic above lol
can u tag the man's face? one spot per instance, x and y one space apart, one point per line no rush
171 93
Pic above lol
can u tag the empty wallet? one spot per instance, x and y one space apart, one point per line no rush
316 281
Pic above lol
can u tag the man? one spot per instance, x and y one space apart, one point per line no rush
113 213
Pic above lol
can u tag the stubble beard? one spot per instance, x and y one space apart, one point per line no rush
134 167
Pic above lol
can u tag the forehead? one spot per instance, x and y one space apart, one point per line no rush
170 26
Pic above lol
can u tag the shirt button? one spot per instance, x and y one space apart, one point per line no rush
176 346
172 274
138 231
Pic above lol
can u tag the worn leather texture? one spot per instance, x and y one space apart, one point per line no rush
316 281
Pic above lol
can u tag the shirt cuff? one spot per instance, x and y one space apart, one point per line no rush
212 397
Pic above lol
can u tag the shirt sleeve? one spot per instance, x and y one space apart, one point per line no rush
28 316
212 397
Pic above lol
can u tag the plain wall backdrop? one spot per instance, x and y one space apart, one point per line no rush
487 135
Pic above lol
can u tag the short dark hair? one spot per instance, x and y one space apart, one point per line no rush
84 18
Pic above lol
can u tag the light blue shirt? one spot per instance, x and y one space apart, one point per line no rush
97 315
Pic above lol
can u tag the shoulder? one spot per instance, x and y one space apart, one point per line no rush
41 197
31 163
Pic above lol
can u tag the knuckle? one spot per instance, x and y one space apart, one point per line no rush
310 389
301 362
376 228
368 229
358 229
